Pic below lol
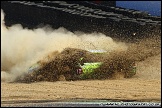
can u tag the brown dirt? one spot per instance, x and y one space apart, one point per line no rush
144 86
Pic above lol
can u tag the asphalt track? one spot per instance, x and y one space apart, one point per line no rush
80 103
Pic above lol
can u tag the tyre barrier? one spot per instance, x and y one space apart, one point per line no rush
82 16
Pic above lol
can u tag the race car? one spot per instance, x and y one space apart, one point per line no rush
77 64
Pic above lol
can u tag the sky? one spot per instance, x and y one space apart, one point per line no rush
152 7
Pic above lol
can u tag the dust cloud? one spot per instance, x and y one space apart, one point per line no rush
20 48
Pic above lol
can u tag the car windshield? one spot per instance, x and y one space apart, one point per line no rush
80 53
